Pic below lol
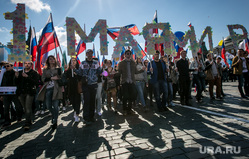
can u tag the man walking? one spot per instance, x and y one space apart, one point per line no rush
127 70
26 81
89 71
158 70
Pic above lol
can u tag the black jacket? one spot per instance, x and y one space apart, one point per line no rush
8 78
27 85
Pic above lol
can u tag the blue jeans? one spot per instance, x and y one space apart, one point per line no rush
160 87
198 83
140 91
241 84
170 93
52 105
99 97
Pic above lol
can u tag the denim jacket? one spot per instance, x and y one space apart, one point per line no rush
89 69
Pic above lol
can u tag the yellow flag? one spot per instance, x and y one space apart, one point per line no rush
220 43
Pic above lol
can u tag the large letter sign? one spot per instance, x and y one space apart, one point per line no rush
235 37
208 30
151 41
19 43
123 37
72 26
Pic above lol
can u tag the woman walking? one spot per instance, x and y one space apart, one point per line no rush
72 84
51 89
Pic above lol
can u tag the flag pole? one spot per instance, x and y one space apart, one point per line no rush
54 36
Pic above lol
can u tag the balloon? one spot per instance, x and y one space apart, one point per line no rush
179 35
105 73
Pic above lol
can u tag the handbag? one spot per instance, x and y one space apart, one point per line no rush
111 84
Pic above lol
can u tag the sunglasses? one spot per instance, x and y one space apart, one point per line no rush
128 54
7 66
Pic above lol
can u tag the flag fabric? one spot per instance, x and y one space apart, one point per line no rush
133 54
29 37
44 58
98 58
80 47
122 54
78 59
153 32
142 51
103 59
48 40
64 60
114 63
189 24
33 45
161 49
94 56
200 51
114 31
58 59
155 21
246 45
223 53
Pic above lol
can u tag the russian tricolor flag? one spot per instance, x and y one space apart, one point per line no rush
223 53
103 59
98 58
33 45
48 40
155 30
80 47
142 51
122 54
114 31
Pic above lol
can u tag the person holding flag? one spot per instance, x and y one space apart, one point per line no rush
51 90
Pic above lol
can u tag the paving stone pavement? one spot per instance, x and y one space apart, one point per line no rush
181 132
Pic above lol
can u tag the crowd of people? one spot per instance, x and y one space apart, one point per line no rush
132 83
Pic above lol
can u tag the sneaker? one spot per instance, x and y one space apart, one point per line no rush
63 108
99 113
199 100
77 119
26 127
213 98
172 104
188 104
125 112
220 98
37 113
165 108
74 114
19 120
54 126
6 124
42 112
